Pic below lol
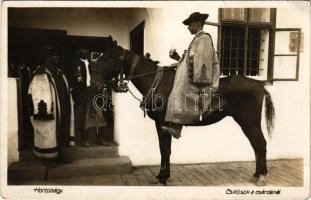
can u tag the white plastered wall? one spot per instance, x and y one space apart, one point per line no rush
12 121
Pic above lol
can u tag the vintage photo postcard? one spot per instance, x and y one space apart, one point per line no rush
155 100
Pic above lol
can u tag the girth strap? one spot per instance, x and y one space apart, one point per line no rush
156 82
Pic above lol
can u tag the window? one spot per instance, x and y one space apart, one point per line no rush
233 51
259 15
286 55
250 44
244 41
234 14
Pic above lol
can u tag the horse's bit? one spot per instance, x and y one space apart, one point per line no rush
122 82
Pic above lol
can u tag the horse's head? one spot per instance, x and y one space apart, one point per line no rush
107 64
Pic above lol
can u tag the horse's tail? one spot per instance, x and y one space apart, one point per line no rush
269 111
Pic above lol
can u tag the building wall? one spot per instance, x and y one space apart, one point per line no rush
223 141
76 21
292 99
12 121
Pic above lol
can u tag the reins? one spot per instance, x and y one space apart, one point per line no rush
120 80
123 87
154 86
133 67
144 74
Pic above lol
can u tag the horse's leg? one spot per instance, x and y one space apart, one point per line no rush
165 141
254 133
259 144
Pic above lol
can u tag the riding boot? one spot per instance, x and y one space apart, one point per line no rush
173 129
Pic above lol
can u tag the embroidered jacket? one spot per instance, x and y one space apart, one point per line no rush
202 61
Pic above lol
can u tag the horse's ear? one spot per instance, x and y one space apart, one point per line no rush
115 42
110 39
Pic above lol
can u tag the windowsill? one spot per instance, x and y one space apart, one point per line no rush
258 78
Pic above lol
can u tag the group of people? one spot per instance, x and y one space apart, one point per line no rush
61 108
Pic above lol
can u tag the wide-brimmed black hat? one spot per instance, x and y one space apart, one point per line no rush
49 49
46 51
194 17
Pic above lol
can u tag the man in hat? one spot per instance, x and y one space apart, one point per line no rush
88 119
197 75
51 108
79 80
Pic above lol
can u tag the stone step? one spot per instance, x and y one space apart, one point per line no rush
23 170
78 152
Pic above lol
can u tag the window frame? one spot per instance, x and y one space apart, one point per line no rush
218 35
270 26
283 54
245 68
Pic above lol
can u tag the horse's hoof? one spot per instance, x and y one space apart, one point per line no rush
254 179
261 181
154 182
160 184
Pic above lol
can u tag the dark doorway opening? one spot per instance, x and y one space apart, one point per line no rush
24 47
137 39
94 45
27 43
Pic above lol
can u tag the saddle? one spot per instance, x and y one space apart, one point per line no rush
216 103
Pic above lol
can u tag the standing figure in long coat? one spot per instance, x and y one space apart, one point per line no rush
197 76
51 108
87 117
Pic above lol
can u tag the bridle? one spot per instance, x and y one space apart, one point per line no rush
121 80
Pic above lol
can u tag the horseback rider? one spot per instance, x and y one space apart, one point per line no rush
197 72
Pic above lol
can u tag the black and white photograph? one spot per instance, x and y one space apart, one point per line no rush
155 100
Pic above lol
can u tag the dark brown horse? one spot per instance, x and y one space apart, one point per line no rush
243 99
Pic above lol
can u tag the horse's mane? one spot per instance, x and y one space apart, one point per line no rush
152 63
143 58
146 61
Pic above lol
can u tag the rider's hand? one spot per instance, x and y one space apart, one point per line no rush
174 55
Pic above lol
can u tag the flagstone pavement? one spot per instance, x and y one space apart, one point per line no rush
282 173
